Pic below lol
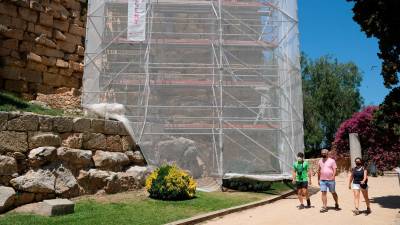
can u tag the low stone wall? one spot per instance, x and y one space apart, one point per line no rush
44 157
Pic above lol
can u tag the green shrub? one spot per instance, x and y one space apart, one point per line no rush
243 184
169 182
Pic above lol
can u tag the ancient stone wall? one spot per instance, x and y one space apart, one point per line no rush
45 157
41 45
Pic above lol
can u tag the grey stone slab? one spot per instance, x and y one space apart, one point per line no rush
56 207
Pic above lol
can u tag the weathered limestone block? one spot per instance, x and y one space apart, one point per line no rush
66 46
46 19
11 61
63 124
56 207
61 63
113 161
23 123
93 141
93 180
10 44
39 29
10 72
40 181
136 158
73 38
28 14
18 23
13 33
112 127
16 86
31 76
59 35
8 165
114 143
52 79
7 198
41 156
11 141
43 40
61 25
45 123
39 139
66 184
75 158
77 30
46 51
36 66
82 125
140 173
98 125
8 9
72 140
3 120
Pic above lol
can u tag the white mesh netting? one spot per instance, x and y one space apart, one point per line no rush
212 85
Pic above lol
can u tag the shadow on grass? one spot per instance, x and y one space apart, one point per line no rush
390 202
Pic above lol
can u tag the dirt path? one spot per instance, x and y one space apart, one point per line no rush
384 194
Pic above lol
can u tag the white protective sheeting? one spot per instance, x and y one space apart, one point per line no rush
214 85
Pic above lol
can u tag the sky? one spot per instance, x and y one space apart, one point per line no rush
327 27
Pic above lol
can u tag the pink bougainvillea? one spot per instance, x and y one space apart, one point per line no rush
379 145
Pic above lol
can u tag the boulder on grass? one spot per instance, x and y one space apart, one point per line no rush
113 161
40 181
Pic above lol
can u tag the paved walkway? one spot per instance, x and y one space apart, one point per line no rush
384 193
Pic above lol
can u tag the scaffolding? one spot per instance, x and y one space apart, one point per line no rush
214 86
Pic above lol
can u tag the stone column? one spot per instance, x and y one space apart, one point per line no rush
355 148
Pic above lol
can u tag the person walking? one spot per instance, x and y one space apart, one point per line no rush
302 178
358 180
326 179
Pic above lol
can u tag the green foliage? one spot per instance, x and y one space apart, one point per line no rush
380 19
388 115
169 182
331 95
10 102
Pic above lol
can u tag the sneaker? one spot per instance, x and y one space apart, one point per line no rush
301 206
356 212
337 206
323 210
308 203
368 211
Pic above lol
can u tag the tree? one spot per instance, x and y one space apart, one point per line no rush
380 19
380 143
331 95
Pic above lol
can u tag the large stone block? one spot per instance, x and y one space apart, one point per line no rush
114 143
13 33
77 30
72 140
11 72
11 141
52 79
46 51
46 19
18 23
98 125
3 120
8 9
39 181
93 180
44 40
32 76
112 127
7 198
113 161
28 14
59 35
23 123
61 25
36 66
41 156
45 123
63 124
16 86
94 141
75 158
82 125
8 165
73 38
66 46
40 139
10 44
39 30
66 185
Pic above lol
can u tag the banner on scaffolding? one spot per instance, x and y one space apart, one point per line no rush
136 20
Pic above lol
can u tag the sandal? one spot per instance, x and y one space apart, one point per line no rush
368 211
356 212
301 206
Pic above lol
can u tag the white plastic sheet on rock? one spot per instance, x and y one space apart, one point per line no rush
215 85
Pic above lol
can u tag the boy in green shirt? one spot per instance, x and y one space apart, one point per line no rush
302 178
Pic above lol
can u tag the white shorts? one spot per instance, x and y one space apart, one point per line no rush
356 187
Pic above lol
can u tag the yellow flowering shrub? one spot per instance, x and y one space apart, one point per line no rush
169 182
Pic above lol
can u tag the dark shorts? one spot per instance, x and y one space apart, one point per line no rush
301 184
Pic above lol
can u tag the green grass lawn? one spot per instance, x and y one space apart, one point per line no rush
133 208
10 102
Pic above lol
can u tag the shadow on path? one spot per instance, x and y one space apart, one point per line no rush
390 202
